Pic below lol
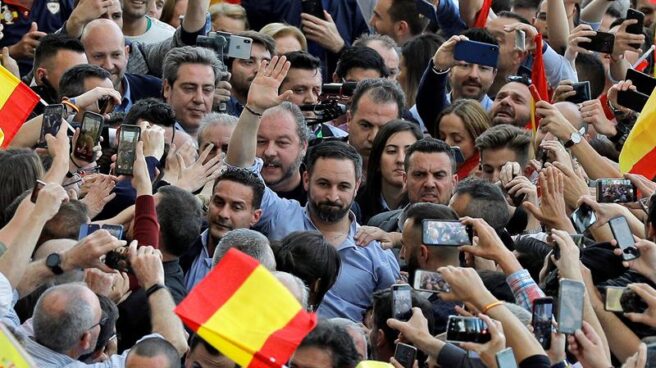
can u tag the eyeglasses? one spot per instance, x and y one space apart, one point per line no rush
519 79
103 320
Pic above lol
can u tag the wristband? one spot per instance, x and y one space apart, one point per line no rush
153 289
439 71
251 111
491 305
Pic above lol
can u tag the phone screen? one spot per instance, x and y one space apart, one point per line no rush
622 233
87 229
467 329
402 301
450 233
405 354
570 306
506 359
115 230
51 122
615 191
430 281
89 136
541 321
613 296
583 217
127 145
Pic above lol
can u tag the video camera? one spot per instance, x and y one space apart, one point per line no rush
334 99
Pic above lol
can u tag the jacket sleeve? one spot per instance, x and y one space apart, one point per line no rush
431 97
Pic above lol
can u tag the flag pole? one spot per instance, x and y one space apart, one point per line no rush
643 57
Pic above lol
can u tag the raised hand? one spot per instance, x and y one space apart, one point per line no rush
264 88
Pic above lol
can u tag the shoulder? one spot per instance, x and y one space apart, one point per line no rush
382 218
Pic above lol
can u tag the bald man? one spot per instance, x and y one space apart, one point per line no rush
105 47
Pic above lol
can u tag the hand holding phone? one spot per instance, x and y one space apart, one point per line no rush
571 296
467 329
401 301
431 282
446 233
624 237
38 185
127 146
602 42
405 354
583 217
51 122
89 136
542 321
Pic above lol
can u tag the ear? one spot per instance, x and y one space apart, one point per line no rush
401 28
380 338
306 180
256 216
39 74
405 178
166 89
85 341
424 253
127 52
454 182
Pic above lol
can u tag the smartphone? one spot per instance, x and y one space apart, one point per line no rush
312 7
86 230
467 329
622 234
104 106
578 240
430 281
90 130
449 233
601 42
520 40
427 9
633 100
474 52
583 217
405 354
582 90
644 83
38 185
115 230
127 145
238 47
616 191
506 359
457 154
635 28
401 301
51 121
623 300
541 320
570 305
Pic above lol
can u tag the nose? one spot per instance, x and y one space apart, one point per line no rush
310 98
475 72
372 134
269 150
332 194
224 213
107 64
400 157
198 96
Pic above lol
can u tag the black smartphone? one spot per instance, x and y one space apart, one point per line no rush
506 359
405 354
312 7
541 320
582 90
127 145
38 185
87 229
622 234
90 130
402 301
616 191
633 100
51 121
570 305
623 300
104 104
601 42
467 329
635 28
430 281
583 217
644 83
474 52
115 230
449 233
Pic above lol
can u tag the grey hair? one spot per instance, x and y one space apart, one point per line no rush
386 40
349 325
213 119
381 91
61 329
189 55
301 126
248 241
299 290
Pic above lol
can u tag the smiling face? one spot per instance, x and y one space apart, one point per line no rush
470 80
134 9
191 94
231 208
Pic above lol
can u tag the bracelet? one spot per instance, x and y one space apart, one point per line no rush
491 305
251 111
438 71
153 289
70 102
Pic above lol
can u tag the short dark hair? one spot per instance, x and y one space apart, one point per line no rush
72 81
360 57
308 255
153 110
156 346
480 35
511 15
487 201
247 178
589 68
328 335
303 60
382 311
66 223
421 211
380 90
197 340
406 10
495 282
526 4
506 136
430 145
180 219
336 150
51 44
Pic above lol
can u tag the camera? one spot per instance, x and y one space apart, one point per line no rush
118 259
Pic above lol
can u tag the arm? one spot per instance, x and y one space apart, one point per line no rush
623 43
59 149
448 18
83 13
594 11
194 18
146 227
558 24
469 9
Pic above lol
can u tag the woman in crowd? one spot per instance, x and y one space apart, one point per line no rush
415 55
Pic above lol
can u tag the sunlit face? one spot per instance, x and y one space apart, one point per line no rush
155 8
218 135
390 56
391 161
367 120
470 80
305 85
430 178
492 160
244 70
279 147
135 9
191 95
231 208
331 188
55 68
287 43
453 132
380 20
512 105
105 47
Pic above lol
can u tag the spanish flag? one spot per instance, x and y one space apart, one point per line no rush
16 103
242 310
638 154
483 14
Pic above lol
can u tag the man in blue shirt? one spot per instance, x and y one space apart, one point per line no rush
334 173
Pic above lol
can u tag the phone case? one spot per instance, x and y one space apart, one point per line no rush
622 234
477 53
633 100
582 93
601 42
644 83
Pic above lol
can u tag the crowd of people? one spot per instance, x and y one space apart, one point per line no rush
342 144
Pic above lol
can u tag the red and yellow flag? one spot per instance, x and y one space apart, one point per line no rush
242 310
17 101
483 14
638 154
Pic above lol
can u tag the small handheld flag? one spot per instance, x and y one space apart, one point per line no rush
17 101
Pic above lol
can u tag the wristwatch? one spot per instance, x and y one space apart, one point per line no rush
574 138
54 263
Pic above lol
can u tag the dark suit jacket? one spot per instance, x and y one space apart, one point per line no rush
143 86
387 221
187 259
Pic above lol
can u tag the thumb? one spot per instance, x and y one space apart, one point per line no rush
533 210
285 96
34 27
327 16
636 317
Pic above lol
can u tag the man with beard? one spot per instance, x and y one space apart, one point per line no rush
334 173
235 204
512 105
138 27
282 141
419 256
244 70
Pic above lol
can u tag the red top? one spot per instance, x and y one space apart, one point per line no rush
146 227
468 166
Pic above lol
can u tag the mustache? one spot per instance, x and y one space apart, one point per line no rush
330 203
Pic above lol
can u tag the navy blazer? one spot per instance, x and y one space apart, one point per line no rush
143 86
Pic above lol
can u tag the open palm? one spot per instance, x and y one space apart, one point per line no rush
263 92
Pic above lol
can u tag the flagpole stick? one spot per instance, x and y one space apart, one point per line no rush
643 57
